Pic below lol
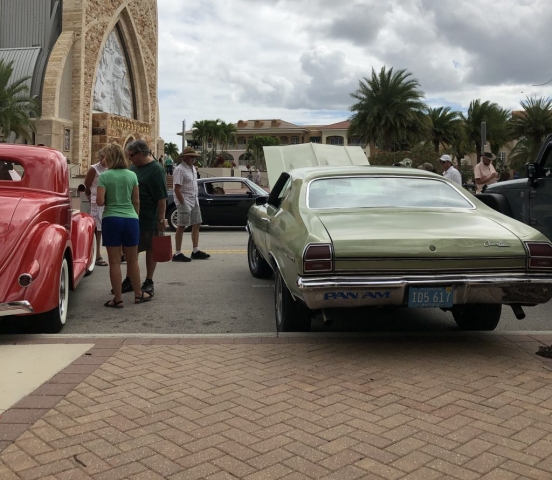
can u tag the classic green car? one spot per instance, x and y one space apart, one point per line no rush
358 235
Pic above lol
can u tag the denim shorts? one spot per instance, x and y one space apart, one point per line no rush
117 231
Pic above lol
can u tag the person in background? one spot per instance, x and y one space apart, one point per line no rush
118 192
96 212
169 165
187 205
257 179
428 167
484 173
449 171
153 203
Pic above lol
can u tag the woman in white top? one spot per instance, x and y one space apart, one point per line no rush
91 183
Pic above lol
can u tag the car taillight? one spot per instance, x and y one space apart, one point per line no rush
318 258
540 254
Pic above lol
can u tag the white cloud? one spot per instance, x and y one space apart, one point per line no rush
299 60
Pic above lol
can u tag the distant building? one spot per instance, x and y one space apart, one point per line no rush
287 133
93 68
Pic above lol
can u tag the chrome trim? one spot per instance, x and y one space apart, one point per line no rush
353 291
15 308
26 275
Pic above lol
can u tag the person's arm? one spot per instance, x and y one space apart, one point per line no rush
161 209
136 199
90 175
100 196
177 190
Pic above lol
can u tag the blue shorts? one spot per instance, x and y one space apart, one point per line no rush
117 231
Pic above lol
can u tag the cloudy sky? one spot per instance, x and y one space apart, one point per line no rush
299 60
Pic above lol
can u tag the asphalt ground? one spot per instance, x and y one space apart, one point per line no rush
219 296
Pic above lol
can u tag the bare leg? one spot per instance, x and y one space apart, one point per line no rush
133 269
178 238
114 256
150 264
195 235
98 244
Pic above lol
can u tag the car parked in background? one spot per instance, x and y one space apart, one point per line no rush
529 199
338 237
46 246
224 201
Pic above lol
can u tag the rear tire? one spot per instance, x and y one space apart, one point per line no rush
291 315
258 266
477 317
55 319
172 216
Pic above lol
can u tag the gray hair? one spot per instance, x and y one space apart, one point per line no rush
138 146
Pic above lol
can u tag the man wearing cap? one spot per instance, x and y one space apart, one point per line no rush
187 205
484 173
449 171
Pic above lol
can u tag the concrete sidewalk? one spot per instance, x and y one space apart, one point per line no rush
461 406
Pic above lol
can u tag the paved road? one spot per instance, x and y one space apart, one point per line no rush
220 296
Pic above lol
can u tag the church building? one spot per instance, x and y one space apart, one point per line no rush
93 68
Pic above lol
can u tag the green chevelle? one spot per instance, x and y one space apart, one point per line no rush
358 235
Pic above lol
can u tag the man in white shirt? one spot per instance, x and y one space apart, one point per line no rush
484 173
185 198
449 171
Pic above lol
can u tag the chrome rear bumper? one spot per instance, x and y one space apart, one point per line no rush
15 308
358 291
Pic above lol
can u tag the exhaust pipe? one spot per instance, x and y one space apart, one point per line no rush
518 311
325 318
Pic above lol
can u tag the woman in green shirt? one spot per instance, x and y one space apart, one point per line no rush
118 191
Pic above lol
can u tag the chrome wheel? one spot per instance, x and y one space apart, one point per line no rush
258 266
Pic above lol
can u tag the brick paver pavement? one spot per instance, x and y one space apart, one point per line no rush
425 407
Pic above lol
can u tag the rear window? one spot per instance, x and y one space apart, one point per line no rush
11 170
377 192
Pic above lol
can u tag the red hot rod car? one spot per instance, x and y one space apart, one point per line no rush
46 247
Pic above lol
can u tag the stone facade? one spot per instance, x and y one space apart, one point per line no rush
86 26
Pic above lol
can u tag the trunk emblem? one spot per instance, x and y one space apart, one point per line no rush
489 243
432 248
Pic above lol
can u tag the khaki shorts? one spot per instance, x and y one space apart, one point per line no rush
187 215
145 239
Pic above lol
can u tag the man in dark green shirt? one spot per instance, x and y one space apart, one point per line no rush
153 196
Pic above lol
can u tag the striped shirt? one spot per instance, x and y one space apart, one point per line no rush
186 177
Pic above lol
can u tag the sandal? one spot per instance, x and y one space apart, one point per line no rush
100 262
142 299
114 304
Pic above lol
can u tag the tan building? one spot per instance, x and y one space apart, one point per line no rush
287 133
93 68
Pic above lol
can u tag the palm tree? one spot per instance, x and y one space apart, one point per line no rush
16 106
171 149
496 119
227 135
389 111
444 126
530 126
255 150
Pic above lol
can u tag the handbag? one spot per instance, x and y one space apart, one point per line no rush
161 247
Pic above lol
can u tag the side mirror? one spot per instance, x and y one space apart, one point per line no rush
532 174
261 200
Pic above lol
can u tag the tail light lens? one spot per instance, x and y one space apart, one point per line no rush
318 258
540 254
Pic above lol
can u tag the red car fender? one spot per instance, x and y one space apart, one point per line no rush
83 227
42 258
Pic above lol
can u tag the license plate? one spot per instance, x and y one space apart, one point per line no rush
430 297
